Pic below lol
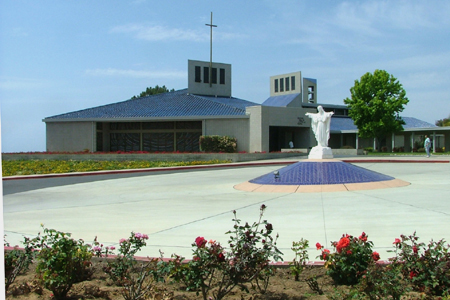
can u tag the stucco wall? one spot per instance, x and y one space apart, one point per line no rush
202 88
237 128
70 136
262 117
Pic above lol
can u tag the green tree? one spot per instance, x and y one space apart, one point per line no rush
443 122
375 105
153 91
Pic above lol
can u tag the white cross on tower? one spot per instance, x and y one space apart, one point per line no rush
210 49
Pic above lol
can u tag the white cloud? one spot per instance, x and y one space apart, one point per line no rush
137 73
160 33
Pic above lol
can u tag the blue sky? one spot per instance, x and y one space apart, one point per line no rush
62 56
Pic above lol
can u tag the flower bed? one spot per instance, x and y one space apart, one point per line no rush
65 267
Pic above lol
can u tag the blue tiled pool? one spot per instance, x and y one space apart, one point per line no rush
315 173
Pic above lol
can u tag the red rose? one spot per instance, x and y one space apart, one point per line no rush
318 246
349 252
415 250
325 252
397 241
200 241
376 256
363 237
343 242
412 274
221 257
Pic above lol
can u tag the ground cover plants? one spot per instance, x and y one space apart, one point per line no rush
32 167
65 268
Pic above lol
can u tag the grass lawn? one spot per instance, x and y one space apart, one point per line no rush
404 153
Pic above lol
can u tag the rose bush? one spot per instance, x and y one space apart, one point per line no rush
350 260
426 267
216 271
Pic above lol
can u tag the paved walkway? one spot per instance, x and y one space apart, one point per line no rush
174 207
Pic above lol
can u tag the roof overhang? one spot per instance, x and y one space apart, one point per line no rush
146 119
413 129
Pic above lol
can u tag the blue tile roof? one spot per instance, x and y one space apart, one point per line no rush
280 101
171 104
346 123
416 123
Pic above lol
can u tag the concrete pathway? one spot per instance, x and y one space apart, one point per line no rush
174 207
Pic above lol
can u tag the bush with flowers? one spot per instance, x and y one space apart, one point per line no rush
426 267
61 261
120 268
216 271
350 260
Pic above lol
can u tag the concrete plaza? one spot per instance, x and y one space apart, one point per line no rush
174 207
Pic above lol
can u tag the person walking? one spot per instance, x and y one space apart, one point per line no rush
427 145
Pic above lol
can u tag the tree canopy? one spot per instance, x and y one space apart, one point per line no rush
375 104
153 91
443 122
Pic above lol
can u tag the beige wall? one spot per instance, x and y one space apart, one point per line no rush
237 128
202 88
263 117
70 136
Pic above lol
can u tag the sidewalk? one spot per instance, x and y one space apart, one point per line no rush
174 207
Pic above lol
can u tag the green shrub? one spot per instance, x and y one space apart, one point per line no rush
216 271
119 269
61 261
301 257
350 260
368 149
216 143
383 282
427 267
16 261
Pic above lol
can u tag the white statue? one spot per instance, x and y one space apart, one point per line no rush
320 125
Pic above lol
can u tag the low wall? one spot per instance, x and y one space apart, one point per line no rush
336 152
234 157
347 152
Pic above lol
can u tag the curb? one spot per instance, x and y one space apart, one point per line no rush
183 168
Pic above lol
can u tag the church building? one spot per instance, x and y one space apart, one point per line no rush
174 121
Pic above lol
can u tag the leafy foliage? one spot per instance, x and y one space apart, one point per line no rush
120 268
427 267
216 271
375 103
153 91
350 260
301 257
17 261
216 143
443 122
382 282
61 261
